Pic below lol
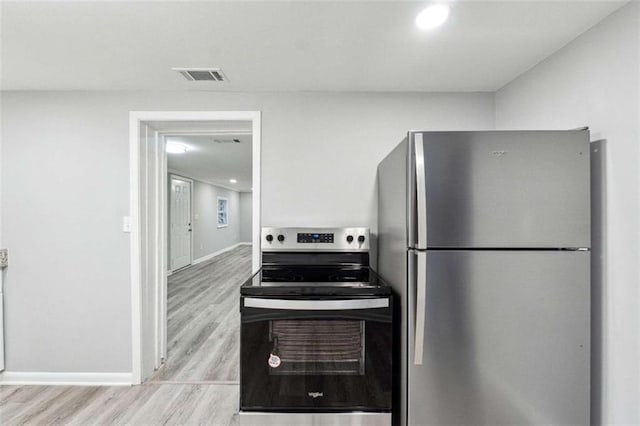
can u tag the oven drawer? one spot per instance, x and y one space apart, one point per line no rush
314 419
329 354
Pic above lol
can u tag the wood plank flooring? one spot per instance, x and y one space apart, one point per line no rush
198 383
204 320
148 404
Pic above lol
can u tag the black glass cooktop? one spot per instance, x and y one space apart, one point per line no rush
315 279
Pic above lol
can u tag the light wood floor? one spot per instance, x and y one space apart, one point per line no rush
203 334
198 383
148 404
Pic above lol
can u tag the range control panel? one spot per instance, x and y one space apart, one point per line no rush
315 239
307 237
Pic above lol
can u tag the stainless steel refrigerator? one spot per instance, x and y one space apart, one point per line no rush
485 238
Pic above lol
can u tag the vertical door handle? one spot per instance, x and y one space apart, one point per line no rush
421 192
421 306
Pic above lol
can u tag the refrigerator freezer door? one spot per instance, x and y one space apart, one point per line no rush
525 189
506 339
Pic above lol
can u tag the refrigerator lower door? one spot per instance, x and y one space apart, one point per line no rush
506 338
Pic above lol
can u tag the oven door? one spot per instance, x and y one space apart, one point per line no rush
329 354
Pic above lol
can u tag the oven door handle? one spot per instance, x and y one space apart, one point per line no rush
316 305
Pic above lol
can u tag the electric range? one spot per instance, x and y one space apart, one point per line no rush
316 332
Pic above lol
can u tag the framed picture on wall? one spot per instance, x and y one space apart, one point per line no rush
223 212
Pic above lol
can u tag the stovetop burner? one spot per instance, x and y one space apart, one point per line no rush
315 262
289 280
328 273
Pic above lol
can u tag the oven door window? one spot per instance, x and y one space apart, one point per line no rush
315 362
317 347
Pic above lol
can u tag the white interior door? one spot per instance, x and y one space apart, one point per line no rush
180 223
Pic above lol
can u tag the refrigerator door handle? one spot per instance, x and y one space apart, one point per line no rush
421 192
421 306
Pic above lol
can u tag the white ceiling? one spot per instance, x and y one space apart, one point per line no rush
207 160
283 46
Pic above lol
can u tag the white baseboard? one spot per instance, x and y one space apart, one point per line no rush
77 379
217 253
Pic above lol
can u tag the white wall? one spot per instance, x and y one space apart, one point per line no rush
207 237
594 81
65 185
246 200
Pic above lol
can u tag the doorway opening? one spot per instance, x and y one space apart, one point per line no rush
195 226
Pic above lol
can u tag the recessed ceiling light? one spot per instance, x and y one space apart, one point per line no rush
176 148
432 17
233 181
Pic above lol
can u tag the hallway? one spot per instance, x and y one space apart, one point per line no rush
203 334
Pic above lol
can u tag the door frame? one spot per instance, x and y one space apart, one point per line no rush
191 188
137 221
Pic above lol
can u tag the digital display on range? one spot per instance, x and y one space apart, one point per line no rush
315 238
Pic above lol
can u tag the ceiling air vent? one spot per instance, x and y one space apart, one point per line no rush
234 140
202 74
